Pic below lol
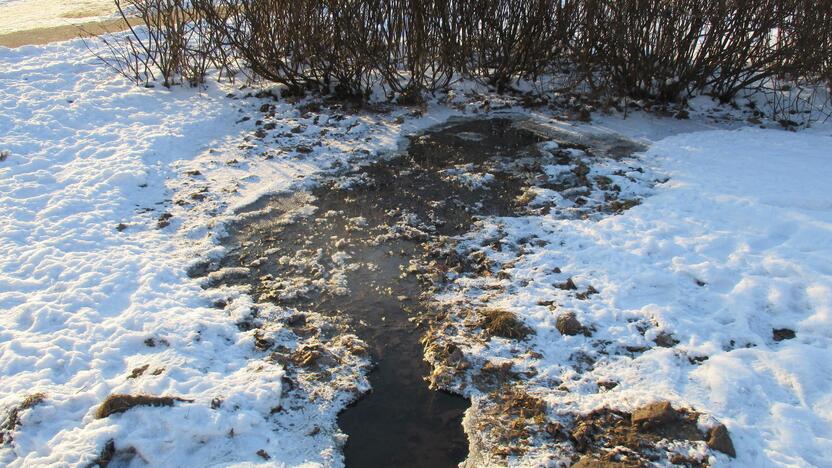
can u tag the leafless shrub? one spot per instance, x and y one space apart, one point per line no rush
166 40
504 39
644 49
125 57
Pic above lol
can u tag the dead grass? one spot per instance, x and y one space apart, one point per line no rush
505 324
620 206
12 420
514 419
119 403
88 13
138 371
32 400
110 454
46 35
614 436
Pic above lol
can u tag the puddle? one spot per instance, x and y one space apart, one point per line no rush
351 247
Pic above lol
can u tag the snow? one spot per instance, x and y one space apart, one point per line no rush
737 242
463 175
93 287
81 298
755 225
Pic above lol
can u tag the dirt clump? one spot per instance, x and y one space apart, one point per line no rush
718 439
314 355
592 462
568 285
590 291
138 371
261 342
568 324
780 334
110 454
620 206
665 340
164 220
654 414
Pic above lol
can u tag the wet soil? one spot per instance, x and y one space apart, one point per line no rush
355 248
352 258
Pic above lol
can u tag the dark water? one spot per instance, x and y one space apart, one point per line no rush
401 422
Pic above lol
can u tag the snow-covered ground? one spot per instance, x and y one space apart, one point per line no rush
734 245
93 285
23 15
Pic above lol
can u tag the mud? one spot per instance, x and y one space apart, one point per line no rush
355 248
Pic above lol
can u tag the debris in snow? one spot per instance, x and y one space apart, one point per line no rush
780 334
586 294
109 454
164 220
12 420
665 340
119 403
718 439
138 371
654 415
568 324
651 433
504 324
226 274
568 285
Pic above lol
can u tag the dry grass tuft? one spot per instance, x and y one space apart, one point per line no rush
119 403
32 400
505 324
513 418
12 421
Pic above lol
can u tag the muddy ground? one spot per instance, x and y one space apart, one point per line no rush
357 260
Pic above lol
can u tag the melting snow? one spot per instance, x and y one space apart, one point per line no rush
93 284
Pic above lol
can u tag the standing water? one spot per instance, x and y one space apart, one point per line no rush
353 259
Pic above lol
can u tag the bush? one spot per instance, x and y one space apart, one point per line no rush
662 50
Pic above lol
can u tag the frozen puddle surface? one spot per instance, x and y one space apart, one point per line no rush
361 248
